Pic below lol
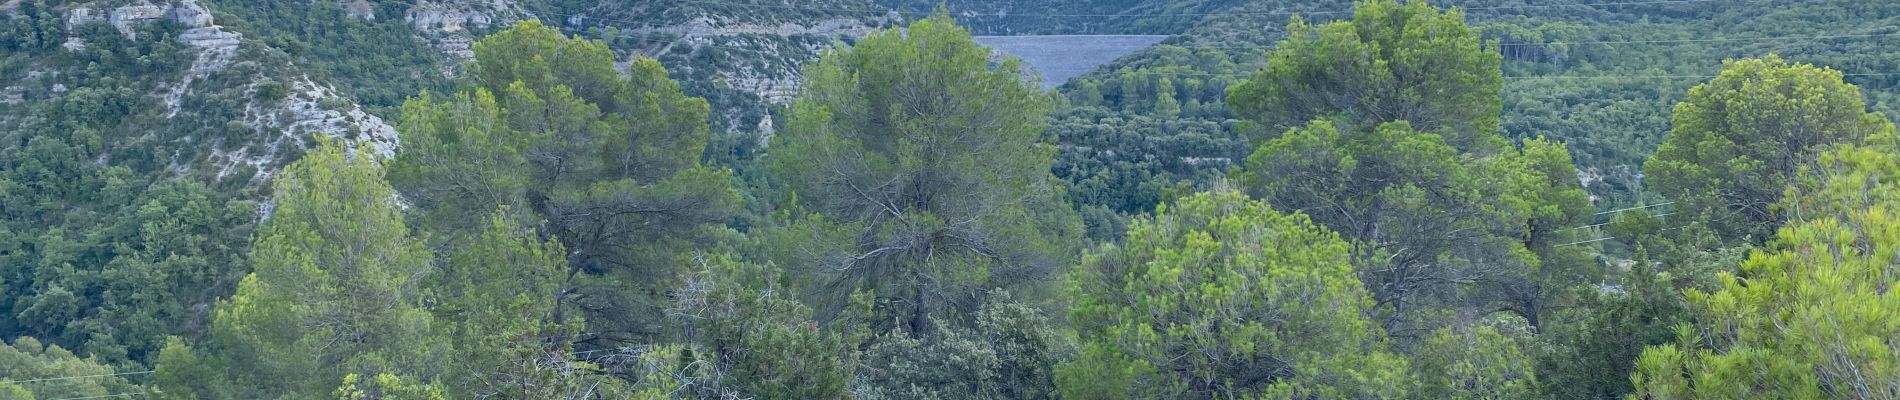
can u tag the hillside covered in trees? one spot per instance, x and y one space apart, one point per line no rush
763 199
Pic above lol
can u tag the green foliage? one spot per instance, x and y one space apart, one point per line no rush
552 131
1011 353
110 240
36 370
1391 62
182 374
1588 350
1476 362
378 60
1122 155
929 154
147 271
756 342
496 296
1431 226
1814 317
387 387
1739 138
1217 296
335 286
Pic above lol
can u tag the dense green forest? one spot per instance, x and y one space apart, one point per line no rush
1389 199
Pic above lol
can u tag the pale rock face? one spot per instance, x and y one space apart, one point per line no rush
445 24
298 117
215 48
124 17
360 9
81 16
190 14
12 95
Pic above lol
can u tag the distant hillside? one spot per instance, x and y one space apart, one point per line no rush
1602 79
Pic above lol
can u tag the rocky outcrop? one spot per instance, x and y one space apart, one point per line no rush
448 25
214 46
311 109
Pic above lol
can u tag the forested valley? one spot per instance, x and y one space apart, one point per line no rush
855 199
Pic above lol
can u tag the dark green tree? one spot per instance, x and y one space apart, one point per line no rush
607 162
927 157
1430 226
1011 353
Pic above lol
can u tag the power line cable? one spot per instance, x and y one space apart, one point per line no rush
1635 208
1616 237
76 377
122 395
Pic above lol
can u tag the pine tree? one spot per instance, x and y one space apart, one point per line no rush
1813 316
1738 139
1390 62
926 164
605 162
335 289
1218 296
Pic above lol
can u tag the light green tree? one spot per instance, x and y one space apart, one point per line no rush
1390 62
925 161
33 370
1738 139
1431 227
336 285
1218 296
1390 138
747 337
495 297
1811 316
1485 360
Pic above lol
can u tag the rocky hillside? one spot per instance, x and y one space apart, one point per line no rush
743 57
198 97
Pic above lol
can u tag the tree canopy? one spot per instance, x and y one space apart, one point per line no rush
607 162
1738 139
1219 296
927 158
1392 61
1812 315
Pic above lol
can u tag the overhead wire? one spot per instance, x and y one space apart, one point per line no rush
77 377
129 394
